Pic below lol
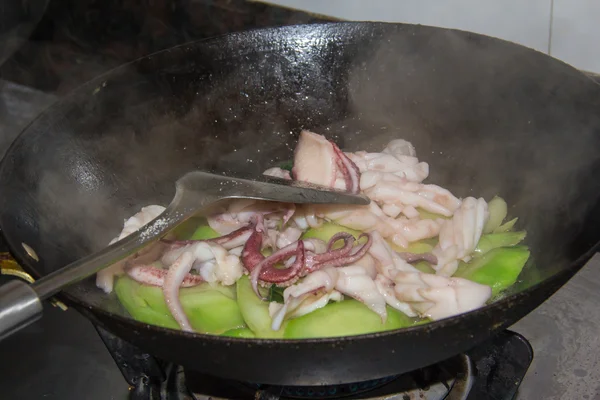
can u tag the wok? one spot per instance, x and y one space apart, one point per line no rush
490 117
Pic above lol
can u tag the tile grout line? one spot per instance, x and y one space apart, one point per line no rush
550 25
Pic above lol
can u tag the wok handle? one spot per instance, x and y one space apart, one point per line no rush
20 306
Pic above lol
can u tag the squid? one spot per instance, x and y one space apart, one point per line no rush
303 255
105 278
315 272
320 161
437 297
459 236
324 285
398 160
415 293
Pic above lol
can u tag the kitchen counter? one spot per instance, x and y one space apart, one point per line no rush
564 333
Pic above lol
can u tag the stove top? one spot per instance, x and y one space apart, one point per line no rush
493 370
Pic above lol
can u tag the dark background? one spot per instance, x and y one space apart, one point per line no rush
77 40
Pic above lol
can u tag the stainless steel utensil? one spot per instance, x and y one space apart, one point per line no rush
21 303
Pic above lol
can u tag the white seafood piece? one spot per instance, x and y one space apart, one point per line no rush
288 236
389 263
105 278
363 218
368 179
305 217
317 288
413 230
235 215
213 262
173 280
324 279
391 210
369 264
319 161
239 213
315 160
438 297
237 251
140 219
386 286
299 306
428 197
354 281
278 173
154 275
397 159
401 231
410 212
399 148
314 245
460 235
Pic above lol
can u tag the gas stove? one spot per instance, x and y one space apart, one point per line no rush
493 370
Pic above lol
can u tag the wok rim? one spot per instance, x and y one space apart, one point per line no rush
564 274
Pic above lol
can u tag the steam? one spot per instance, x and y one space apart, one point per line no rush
489 118
501 124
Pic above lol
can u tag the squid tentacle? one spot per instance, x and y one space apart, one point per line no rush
153 276
275 275
230 241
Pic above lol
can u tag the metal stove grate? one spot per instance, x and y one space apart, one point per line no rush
436 382
492 370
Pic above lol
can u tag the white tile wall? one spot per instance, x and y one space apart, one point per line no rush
566 29
523 21
576 33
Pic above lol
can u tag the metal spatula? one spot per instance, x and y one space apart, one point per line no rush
21 303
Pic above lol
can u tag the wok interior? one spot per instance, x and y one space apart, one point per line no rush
489 117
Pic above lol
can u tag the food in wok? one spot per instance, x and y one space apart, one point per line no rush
261 269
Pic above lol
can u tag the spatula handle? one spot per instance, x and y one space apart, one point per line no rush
20 306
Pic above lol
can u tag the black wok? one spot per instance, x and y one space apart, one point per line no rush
490 117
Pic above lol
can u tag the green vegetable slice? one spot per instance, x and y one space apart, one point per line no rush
204 232
275 294
499 268
326 231
424 214
344 318
424 267
498 209
287 165
255 311
240 332
414 247
507 226
494 240
209 309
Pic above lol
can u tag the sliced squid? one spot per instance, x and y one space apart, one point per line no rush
437 297
312 271
459 236
106 277
213 262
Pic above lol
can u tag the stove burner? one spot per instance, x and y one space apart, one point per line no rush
432 383
325 392
492 370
